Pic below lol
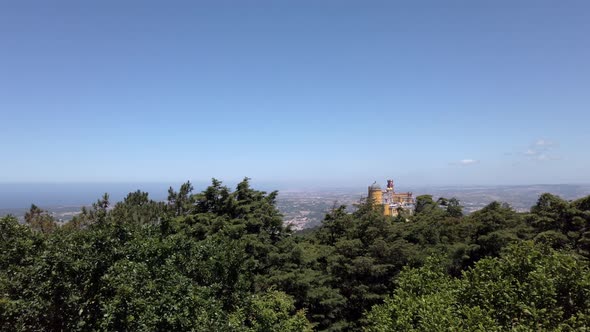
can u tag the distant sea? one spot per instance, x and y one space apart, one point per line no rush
22 195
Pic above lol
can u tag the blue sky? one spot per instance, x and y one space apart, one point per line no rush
326 93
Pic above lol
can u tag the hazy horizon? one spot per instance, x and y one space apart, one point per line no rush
22 195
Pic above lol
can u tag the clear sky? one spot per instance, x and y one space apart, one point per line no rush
327 93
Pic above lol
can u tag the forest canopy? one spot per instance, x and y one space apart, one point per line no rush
222 260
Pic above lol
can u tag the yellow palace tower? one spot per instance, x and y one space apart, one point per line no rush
391 201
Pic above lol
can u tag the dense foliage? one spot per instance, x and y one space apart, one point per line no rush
221 260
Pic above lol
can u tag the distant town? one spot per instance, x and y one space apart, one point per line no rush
306 209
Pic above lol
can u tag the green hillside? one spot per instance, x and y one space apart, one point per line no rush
221 260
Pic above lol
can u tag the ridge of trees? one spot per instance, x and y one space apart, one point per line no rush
222 260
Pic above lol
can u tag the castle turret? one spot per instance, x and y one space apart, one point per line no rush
390 186
375 194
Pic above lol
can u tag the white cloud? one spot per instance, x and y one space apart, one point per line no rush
544 143
465 162
468 161
541 150
544 157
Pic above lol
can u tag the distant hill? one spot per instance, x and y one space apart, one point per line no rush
521 198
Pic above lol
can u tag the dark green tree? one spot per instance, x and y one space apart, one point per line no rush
40 220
